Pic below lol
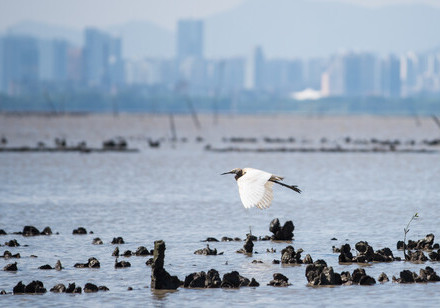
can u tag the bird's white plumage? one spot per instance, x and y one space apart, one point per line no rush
255 188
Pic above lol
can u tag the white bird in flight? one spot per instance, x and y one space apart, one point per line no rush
255 186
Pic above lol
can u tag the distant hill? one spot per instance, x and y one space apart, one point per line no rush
305 28
285 28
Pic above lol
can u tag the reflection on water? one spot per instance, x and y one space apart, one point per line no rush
176 194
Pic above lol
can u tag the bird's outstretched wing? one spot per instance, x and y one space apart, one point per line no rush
255 188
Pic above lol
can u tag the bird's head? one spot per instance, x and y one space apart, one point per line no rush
233 171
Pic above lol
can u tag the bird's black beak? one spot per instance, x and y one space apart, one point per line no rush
229 172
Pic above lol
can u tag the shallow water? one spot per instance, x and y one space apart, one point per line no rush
175 193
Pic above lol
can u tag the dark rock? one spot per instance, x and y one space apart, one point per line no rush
284 233
400 245
248 246
7 254
367 281
12 243
130 289
195 280
149 262
308 259
45 267
2 232
346 255
206 251
227 239
160 278
142 251
383 255
253 283
279 280
265 238
30 231
234 280
122 264
257 261
103 288
289 256
90 288
334 239
383 278
210 239
116 252
318 274
417 256
19 288
346 277
59 288
3 292
213 279
72 288
276 261
127 253
46 231
366 252
12 267
435 255
407 276
92 263
358 273
428 275
118 241
80 230
58 266
97 241
35 287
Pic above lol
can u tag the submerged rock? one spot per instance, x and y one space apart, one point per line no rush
383 278
116 252
7 254
284 233
90 288
203 280
12 243
318 274
122 264
143 251
279 280
46 231
79 231
206 251
425 275
289 256
234 280
160 278
210 239
416 256
45 267
365 254
97 241
2 232
35 287
58 266
12 267
30 231
72 288
248 246
118 240
59 288
426 243
92 263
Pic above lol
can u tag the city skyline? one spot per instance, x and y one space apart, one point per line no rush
303 28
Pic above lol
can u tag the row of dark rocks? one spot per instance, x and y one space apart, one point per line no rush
37 287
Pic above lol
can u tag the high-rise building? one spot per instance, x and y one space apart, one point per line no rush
102 59
189 39
390 77
19 63
53 60
259 68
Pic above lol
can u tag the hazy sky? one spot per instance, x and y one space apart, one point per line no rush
102 13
